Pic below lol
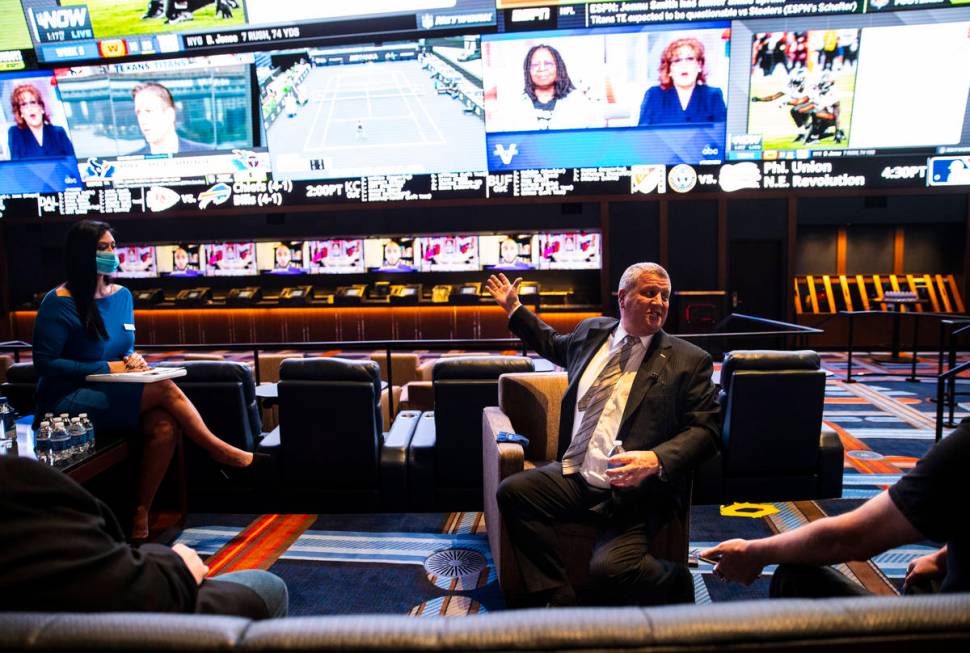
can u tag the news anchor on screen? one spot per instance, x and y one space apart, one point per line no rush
155 111
283 262
33 136
87 326
549 99
393 261
509 258
184 264
683 95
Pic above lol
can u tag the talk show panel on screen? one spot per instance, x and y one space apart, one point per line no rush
357 110
136 122
136 262
507 252
229 259
335 256
37 153
448 254
179 260
390 254
568 251
583 98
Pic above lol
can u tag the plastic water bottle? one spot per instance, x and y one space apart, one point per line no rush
42 443
89 437
617 448
8 424
60 442
78 434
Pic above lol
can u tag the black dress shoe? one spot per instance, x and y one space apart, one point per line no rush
562 597
250 472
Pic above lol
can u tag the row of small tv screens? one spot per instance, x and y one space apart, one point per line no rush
620 96
451 253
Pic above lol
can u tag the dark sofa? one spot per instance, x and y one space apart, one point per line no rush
879 625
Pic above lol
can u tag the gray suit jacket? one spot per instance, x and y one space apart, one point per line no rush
672 408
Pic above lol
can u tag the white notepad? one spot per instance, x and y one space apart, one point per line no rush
149 376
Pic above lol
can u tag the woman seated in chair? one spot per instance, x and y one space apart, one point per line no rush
86 326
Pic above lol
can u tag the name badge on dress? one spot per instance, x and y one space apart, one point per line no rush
129 327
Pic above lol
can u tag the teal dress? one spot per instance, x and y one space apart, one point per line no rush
64 354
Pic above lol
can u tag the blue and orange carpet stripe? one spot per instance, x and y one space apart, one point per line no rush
429 565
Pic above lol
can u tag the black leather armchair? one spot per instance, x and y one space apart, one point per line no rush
332 447
224 393
445 458
773 445
20 387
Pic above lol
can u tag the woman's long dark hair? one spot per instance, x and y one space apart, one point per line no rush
563 87
82 273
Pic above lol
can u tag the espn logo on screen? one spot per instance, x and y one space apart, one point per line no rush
61 24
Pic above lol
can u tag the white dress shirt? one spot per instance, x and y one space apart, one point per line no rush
600 443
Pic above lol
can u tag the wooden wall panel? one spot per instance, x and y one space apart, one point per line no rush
244 325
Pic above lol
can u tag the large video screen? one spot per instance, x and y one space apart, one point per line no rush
566 99
358 110
129 122
76 30
37 152
14 35
579 98
845 89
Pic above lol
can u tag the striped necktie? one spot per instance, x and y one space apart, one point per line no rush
593 402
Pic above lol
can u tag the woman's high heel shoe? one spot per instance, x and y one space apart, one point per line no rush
251 472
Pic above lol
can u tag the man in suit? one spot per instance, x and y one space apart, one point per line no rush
156 115
628 381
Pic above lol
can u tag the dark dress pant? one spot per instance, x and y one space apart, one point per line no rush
622 571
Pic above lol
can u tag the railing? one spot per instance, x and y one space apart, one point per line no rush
390 346
946 394
912 375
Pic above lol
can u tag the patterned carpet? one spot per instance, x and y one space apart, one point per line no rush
440 564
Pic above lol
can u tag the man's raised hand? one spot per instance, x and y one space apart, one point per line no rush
504 292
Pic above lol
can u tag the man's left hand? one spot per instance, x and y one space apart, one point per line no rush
635 467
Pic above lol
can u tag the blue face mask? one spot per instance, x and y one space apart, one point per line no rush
107 262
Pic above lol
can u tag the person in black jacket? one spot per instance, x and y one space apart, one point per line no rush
64 551
628 381
918 506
